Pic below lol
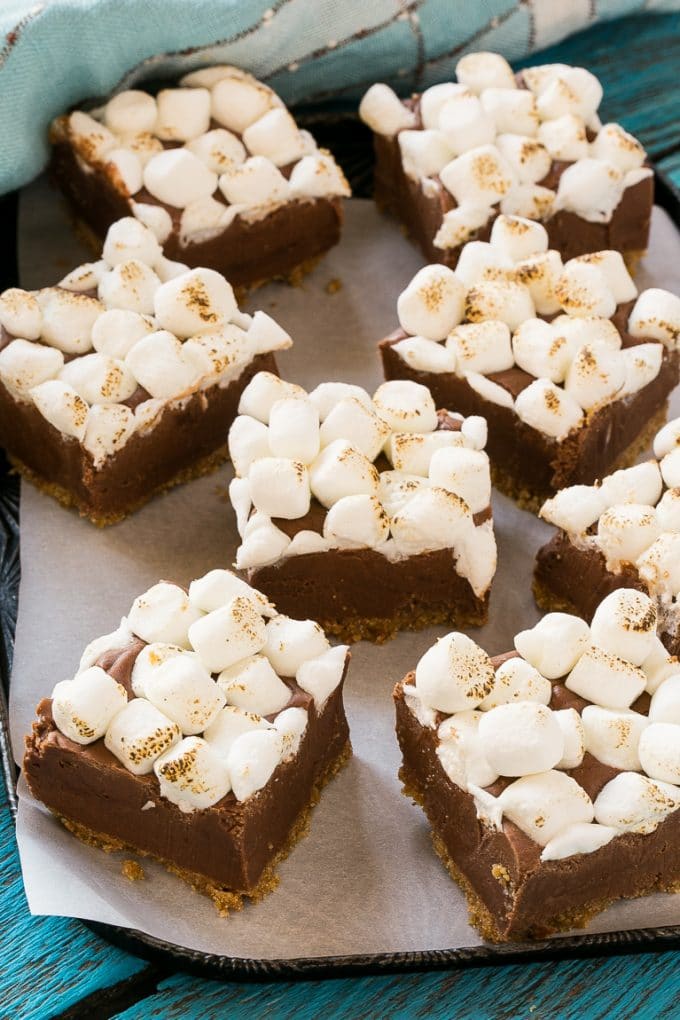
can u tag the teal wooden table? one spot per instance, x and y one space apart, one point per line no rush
53 967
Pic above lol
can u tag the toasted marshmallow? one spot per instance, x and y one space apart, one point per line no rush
263 543
384 112
511 109
642 364
140 734
149 659
591 330
569 721
665 704
216 588
321 675
182 688
538 351
477 258
625 531
544 804
479 177
219 149
433 519
532 201
83 707
117 639
99 379
20 313
528 158
658 667
572 90
24 365
580 838
117 330
474 431
612 736
667 510
565 138
130 285
229 723
192 775
91 139
555 644
125 169
228 634
411 452
482 70
130 112
591 188
406 406
341 470
280 487
489 390
499 299
667 438
162 614
237 98
248 441
294 429
158 364
517 680
459 224
129 239
67 319
477 555
257 182
638 484
454 675
625 624
352 420
550 410
326 395
252 686
520 739
659 565
595 376
264 334
201 220
195 301
276 136
318 176
395 489
356 521
574 509
290 643
83 278
618 147
583 290
432 304
155 217
670 469
108 428
252 759
656 316
291 725
461 752
177 177
465 123
613 268
481 347
463 472
606 679
633 803
424 152
61 406
183 113
432 100
518 238
306 541
262 392
538 78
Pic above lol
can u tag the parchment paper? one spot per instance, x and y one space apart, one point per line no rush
366 879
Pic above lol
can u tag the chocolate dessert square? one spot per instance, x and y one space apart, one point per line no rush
372 514
621 532
217 168
550 775
123 379
568 363
199 733
447 162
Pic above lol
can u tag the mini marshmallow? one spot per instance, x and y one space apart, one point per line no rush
656 316
201 220
182 688
520 739
465 123
326 395
659 565
432 304
595 376
117 330
424 152
538 351
356 521
667 510
606 679
476 258
83 707
91 139
593 330
618 147
108 428
61 406
569 721
591 188
528 158
432 100
625 531
149 659
624 623
275 136
550 410
228 634
461 752
216 588
130 112
229 723
341 470
20 313
395 489
321 675
217 357
291 725
658 667
613 268
484 70
459 224
538 78
544 804
294 430
406 406
130 285
638 484
517 680
574 509
318 176
384 112
352 420
454 675
499 299
24 365
481 347
280 487
477 555
252 685
474 431
613 736
99 379
306 541
665 704
411 452
479 177
125 169
140 734
642 365
465 473
177 177
538 274
262 392
121 637
257 182
290 643
667 438
511 109
565 138
263 543
158 364
248 442
532 201
264 334
489 390
219 149
670 469
573 90
85 277
155 217
252 759
518 238
432 519
198 300
633 803
183 114
192 775
583 290
67 319
238 99
162 614
555 644
581 838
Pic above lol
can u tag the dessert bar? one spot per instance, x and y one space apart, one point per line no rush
123 379
371 514
568 363
217 168
550 775
450 160
622 532
199 733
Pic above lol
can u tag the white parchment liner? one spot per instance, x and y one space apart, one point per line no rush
366 879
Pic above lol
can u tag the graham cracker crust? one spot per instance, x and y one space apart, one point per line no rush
225 900
379 629
205 466
484 921
526 499
550 602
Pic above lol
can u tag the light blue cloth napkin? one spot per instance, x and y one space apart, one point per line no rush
56 53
